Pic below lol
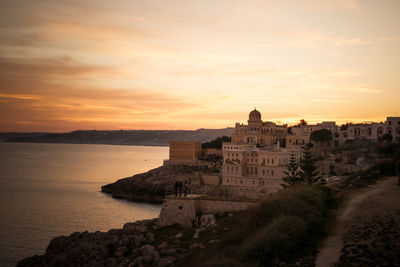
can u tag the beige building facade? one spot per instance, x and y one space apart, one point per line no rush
254 158
184 151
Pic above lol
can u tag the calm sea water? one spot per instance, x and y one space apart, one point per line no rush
48 190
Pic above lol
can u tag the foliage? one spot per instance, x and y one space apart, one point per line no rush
302 123
344 127
387 137
216 143
309 172
391 150
292 173
371 175
285 227
279 239
321 136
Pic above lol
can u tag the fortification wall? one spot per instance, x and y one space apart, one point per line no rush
184 211
178 210
206 206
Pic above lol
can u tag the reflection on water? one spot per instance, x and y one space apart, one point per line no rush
47 190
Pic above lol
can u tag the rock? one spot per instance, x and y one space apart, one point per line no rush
150 237
207 220
120 251
167 261
196 245
169 251
150 254
139 239
111 262
163 245
197 233
138 262
179 235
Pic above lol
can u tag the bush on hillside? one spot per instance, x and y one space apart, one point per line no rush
279 239
216 143
287 225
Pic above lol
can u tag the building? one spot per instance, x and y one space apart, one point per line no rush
369 130
255 157
184 152
259 152
258 132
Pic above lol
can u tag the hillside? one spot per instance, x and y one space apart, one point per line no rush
121 137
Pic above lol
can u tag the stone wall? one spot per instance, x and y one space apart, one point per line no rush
207 206
184 211
178 210
211 179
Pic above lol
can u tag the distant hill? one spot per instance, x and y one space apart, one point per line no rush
119 137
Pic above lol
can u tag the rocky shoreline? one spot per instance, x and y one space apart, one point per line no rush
142 243
150 186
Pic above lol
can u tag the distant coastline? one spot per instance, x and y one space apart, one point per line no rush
118 137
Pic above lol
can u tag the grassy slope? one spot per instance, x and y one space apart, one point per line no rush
286 227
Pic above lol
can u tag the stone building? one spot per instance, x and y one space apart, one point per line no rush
258 131
341 133
254 158
184 152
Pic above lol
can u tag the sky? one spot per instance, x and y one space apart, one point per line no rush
189 64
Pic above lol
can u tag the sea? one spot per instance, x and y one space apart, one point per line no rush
48 190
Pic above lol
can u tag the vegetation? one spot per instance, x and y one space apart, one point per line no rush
292 174
387 137
216 143
285 227
321 136
302 123
371 175
309 170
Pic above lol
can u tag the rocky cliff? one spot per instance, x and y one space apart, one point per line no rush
150 186
142 243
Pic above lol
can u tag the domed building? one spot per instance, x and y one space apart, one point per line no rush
254 158
258 132
254 116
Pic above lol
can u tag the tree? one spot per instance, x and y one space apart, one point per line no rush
216 143
309 172
321 136
387 137
302 123
292 173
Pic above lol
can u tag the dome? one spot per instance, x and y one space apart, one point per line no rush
255 115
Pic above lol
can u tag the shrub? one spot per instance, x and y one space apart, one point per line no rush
279 239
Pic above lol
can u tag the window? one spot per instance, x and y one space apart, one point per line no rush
272 161
255 170
241 181
272 172
263 172
254 182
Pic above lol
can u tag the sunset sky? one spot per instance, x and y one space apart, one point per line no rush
126 64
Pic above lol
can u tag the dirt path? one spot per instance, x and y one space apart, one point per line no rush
379 199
